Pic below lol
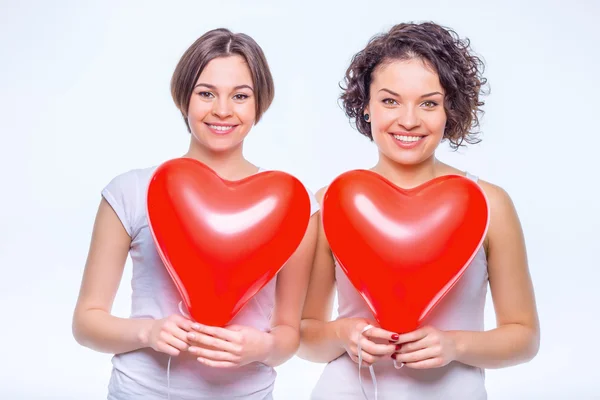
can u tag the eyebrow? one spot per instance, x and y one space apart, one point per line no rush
390 92
431 94
396 94
214 87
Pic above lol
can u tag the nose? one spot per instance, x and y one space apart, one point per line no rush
408 118
222 108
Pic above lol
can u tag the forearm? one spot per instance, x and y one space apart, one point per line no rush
103 332
284 344
320 341
504 346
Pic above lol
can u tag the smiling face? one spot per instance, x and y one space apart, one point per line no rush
406 110
222 107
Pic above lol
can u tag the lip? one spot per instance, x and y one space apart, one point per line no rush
220 132
407 145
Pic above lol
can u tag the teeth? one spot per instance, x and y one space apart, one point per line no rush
221 128
407 138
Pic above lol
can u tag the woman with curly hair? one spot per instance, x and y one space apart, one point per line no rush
409 90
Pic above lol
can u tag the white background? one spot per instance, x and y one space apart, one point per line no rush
84 96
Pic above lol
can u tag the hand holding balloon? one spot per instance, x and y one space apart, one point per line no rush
232 346
375 342
169 335
426 347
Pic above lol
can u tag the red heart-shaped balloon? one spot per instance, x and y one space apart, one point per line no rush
403 249
222 241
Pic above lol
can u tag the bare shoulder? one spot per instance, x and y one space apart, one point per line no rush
498 198
504 221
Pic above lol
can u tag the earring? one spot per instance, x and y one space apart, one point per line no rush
366 117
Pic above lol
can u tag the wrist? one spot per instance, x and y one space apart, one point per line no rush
338 331
459 344
268 348
143 332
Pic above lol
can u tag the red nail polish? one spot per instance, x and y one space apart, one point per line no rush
394 356
395 336
398 347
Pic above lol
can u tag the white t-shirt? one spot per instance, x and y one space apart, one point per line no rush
142 374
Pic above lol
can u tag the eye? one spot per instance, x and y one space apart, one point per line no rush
206 95
429 104
389 102
240 96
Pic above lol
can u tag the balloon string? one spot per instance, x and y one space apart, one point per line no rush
371 370
187 315
169 379
398 366
182 311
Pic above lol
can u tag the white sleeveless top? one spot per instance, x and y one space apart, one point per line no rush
142 374
461 309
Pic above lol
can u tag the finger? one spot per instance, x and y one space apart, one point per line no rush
235 328
174 341
426 364
378 333
183 323
413 336
418 355
376 349
213 342
366 356
216 364
179 333
167 349
369 358
221 333
414 346
214 355
364 363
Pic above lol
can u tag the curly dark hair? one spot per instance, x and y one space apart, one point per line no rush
459 70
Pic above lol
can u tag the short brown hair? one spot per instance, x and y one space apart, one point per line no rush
459 71
221 43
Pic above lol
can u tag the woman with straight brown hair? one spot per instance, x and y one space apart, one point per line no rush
222 86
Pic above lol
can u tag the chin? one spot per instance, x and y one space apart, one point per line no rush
405 157
406 161
220 144
223 147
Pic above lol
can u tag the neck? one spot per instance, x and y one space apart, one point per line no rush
408 176
229 164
